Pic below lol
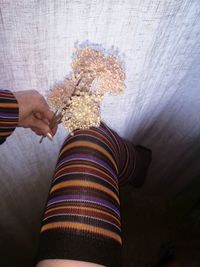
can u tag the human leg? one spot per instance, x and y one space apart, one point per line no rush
82 223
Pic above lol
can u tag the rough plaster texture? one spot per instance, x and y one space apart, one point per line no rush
160 42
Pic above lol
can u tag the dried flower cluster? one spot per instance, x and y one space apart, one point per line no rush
80 96
60 94
83 112
93 65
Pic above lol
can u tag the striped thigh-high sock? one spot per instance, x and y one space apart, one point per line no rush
82 215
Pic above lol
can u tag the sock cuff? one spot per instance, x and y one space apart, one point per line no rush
61 244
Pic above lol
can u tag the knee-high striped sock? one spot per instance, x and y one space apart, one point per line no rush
133 161
82 217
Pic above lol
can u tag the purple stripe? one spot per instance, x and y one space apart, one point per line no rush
107 134
101 178
90 135
8 115
88 157
8 127
112 140
84 198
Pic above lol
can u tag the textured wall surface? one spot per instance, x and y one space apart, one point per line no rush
160 40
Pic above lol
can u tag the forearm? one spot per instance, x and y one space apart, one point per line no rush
9 114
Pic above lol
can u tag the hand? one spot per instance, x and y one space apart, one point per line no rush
34 112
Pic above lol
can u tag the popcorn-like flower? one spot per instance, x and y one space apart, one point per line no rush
95 74
83 112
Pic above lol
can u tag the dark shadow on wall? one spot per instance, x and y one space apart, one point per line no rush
172 131
176 153
166 209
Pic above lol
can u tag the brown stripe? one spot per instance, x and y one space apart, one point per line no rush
86 212
5 133
93 146
8 122
98 135
82 168
81 210
86 205
7 95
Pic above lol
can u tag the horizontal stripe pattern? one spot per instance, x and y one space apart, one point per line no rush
9 114
84 195
75 226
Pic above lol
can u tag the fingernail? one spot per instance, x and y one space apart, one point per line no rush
49 136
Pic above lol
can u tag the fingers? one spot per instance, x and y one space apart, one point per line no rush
48 114
40 127
43 109
54 130
36 131
44 113
39 116
34 112
40 133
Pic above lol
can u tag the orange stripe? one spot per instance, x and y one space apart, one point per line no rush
85 184
90 145
9 105
84 209
5 122
90 167
82 227
105 139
